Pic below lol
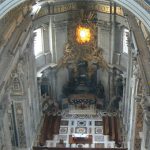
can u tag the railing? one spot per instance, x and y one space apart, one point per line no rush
56 148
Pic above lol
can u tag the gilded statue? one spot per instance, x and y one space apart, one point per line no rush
92 56
68 56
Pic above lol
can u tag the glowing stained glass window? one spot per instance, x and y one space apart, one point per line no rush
83 34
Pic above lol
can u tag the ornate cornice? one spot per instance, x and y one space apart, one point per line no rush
59 7
131 5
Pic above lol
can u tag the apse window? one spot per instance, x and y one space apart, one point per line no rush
83 34
125 41
38 47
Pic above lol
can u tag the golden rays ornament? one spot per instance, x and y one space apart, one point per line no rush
83 34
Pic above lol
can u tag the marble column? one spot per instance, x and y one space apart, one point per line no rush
134 106
123 99
52 38
51 43
128 90
39 80
6 131
53 82
112 49
112 31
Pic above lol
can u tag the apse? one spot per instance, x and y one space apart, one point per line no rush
74 75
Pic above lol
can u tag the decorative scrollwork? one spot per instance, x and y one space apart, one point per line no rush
73 56
74 52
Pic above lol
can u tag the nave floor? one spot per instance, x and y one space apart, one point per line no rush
81 126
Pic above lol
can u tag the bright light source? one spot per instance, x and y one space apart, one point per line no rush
83 34
35 8
125 41
38 48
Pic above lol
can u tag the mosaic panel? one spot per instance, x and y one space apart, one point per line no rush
72 123
98 123
99 130
81 123
90 123
71 130
82 130
90 130
63 130
64 122
99 138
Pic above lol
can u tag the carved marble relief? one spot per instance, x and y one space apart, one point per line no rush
12 126
14 87
17 78
17 85
20 124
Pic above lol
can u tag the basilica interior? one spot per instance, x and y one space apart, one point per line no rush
74 74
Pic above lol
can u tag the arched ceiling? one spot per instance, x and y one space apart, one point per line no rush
130 5
7 5
137 10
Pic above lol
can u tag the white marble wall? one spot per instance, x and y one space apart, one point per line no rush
20 65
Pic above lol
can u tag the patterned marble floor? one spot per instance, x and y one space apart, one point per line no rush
82 125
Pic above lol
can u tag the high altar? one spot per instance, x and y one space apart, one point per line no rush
82 104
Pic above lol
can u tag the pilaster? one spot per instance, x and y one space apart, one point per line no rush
112 49
6 133
138 124
19 112
53 84
146 123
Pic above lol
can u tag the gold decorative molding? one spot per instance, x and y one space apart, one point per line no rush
51 9
105 8
75 51
93 57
